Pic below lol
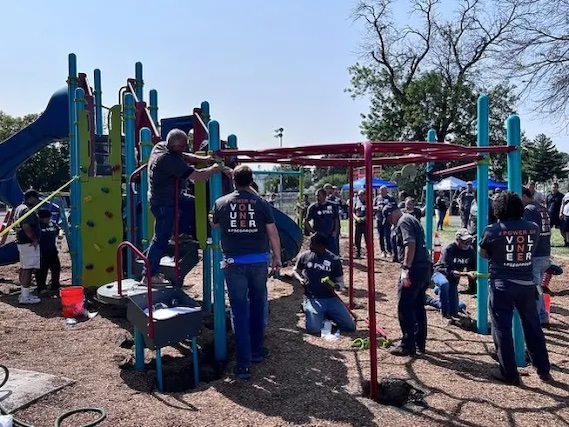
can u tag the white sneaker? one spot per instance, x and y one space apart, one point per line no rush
157 279
30 299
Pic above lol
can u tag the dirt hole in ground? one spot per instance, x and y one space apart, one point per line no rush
397 392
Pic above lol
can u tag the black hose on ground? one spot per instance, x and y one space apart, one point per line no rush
61 418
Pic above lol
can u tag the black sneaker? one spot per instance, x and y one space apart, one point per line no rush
402 351
242 373
508 381
261 358
545 377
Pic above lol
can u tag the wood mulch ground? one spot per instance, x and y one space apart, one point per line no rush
306 380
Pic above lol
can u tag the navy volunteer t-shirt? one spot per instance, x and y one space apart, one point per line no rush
407 230
454 258
324 217
164 169
378 204
243 217
538 214
32 220
315 268
510 246
49 233
466 198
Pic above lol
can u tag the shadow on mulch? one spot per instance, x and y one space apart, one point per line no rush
286 384
48 308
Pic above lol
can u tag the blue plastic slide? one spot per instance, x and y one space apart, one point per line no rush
290 234
52 125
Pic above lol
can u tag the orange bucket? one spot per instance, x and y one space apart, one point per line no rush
72 299
547 302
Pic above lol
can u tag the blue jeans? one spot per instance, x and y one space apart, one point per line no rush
319 309
539 265
503 298
448 295
164 217
247 289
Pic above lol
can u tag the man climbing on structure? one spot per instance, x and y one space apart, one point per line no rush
169 163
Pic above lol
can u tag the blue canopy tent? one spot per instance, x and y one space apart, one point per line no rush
493 185
376 183
449 184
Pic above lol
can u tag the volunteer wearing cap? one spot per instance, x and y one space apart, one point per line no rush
458 260
383 199
413 280
509 245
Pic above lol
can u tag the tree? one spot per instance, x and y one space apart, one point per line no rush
338 180
545 163
537 56
290 182
46 170
430 75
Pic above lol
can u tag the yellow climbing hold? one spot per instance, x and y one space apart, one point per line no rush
88 199
97 247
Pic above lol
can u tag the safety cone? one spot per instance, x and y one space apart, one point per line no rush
437 248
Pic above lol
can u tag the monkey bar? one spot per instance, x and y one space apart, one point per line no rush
368 154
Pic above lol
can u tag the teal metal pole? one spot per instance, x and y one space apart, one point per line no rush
205 112
139 89
215 192
232 144
483 140
76 188
513 132
98 103
146 148
130 166
154 106
429 198
73 167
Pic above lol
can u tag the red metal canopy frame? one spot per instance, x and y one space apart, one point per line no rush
370 154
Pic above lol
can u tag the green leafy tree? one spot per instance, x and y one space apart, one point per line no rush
543 162
337 179
46 170
430 75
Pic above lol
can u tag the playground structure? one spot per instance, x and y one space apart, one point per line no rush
108 196
407 152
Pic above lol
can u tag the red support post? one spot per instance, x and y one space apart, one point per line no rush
351 238
368 155
138 253
135 173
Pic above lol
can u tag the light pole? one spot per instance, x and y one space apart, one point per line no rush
279 135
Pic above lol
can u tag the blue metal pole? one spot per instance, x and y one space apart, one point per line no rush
139 89
130 165
232 143
513 132
483 140
429 198
154 106
73 165
76 188
215 192
146 148
205 111
98 103
208 252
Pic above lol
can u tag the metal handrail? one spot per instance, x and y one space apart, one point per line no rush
138 253
132 206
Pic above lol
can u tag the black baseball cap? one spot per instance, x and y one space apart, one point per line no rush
31 193
389 209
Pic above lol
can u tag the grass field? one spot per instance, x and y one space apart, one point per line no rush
447 236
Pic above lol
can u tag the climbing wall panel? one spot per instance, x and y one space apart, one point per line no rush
101 229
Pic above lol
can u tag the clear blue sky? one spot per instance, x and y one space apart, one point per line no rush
261 64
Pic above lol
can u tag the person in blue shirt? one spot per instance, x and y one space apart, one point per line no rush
383 227
413 280
541 260
320 273
509 246
360 225
249 241
49 255
325 220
